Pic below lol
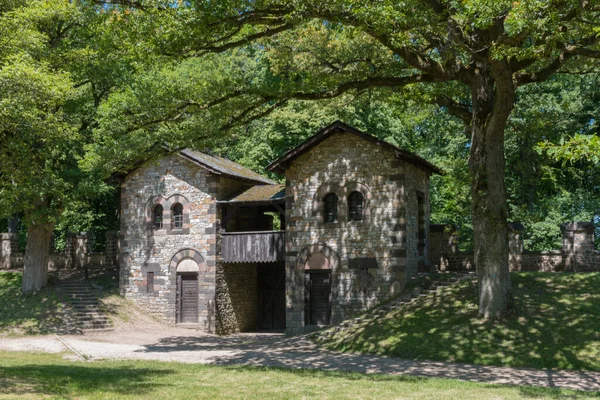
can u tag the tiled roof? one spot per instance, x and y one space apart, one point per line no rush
282 162
258 193
222 166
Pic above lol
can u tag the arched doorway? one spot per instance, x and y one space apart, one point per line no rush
187 265
317 261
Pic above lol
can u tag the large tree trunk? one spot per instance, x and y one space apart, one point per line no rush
493 99
37 255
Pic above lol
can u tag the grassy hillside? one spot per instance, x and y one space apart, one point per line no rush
557 326
43 312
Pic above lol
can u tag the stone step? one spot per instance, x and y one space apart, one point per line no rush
107 329
86 307
91 328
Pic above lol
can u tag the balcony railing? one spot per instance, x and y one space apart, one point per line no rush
266 246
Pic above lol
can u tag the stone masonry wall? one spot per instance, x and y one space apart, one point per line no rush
144 249
577 252
374 254
76 255
237 298
416 184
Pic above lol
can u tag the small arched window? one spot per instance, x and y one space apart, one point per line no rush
157 217
331 207
355 206
177 216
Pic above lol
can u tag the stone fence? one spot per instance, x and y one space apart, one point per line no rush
577 252
77 253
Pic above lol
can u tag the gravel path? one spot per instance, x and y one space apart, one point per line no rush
279 351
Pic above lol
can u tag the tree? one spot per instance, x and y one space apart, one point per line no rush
58 61
478 51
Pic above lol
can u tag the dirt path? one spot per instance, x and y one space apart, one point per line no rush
273 350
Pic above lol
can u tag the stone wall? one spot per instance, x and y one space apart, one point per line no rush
77 253
369 259
577 252
166 181
237 298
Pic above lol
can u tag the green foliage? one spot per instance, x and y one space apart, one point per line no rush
60 60
578 147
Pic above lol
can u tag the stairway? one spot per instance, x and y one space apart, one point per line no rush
87 306
348 329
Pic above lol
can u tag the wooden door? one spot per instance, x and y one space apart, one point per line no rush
271 296
188 298
317 293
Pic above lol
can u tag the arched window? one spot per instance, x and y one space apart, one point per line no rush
355 206
157 217
331 207
177 216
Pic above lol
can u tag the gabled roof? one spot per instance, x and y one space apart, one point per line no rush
283 162
258 194
222 166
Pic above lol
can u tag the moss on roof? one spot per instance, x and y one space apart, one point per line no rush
223 166
259 193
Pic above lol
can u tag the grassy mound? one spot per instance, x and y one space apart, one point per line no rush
557 326
37 313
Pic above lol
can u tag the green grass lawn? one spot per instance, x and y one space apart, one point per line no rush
557 326
29 314
33 376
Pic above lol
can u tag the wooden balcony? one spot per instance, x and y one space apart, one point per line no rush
253 247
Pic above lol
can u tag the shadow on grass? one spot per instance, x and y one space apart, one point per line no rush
79 380
526 391
557 326
45 311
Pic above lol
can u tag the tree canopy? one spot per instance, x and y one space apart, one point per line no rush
468 84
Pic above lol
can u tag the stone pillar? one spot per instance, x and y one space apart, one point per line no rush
442 245
69 251
515 245
82 249
8 247
111 251
577 245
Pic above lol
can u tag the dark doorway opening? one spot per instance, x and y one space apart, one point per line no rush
271 296
317 307
187 298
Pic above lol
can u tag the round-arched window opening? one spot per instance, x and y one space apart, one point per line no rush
330 208
177 216
157 217
355 206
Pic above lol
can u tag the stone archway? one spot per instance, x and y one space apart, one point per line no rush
318 262
187 266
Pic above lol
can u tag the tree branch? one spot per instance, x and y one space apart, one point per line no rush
245 40
391 82
455 108
124 3
236 120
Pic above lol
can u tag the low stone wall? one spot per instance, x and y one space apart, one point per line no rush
577 252
237 298
76 254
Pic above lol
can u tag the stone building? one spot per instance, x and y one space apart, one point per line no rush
208 242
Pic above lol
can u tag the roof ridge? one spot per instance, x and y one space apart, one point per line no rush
223 166
280 164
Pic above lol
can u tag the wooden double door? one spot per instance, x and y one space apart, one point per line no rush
271 296
317 297
187 298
